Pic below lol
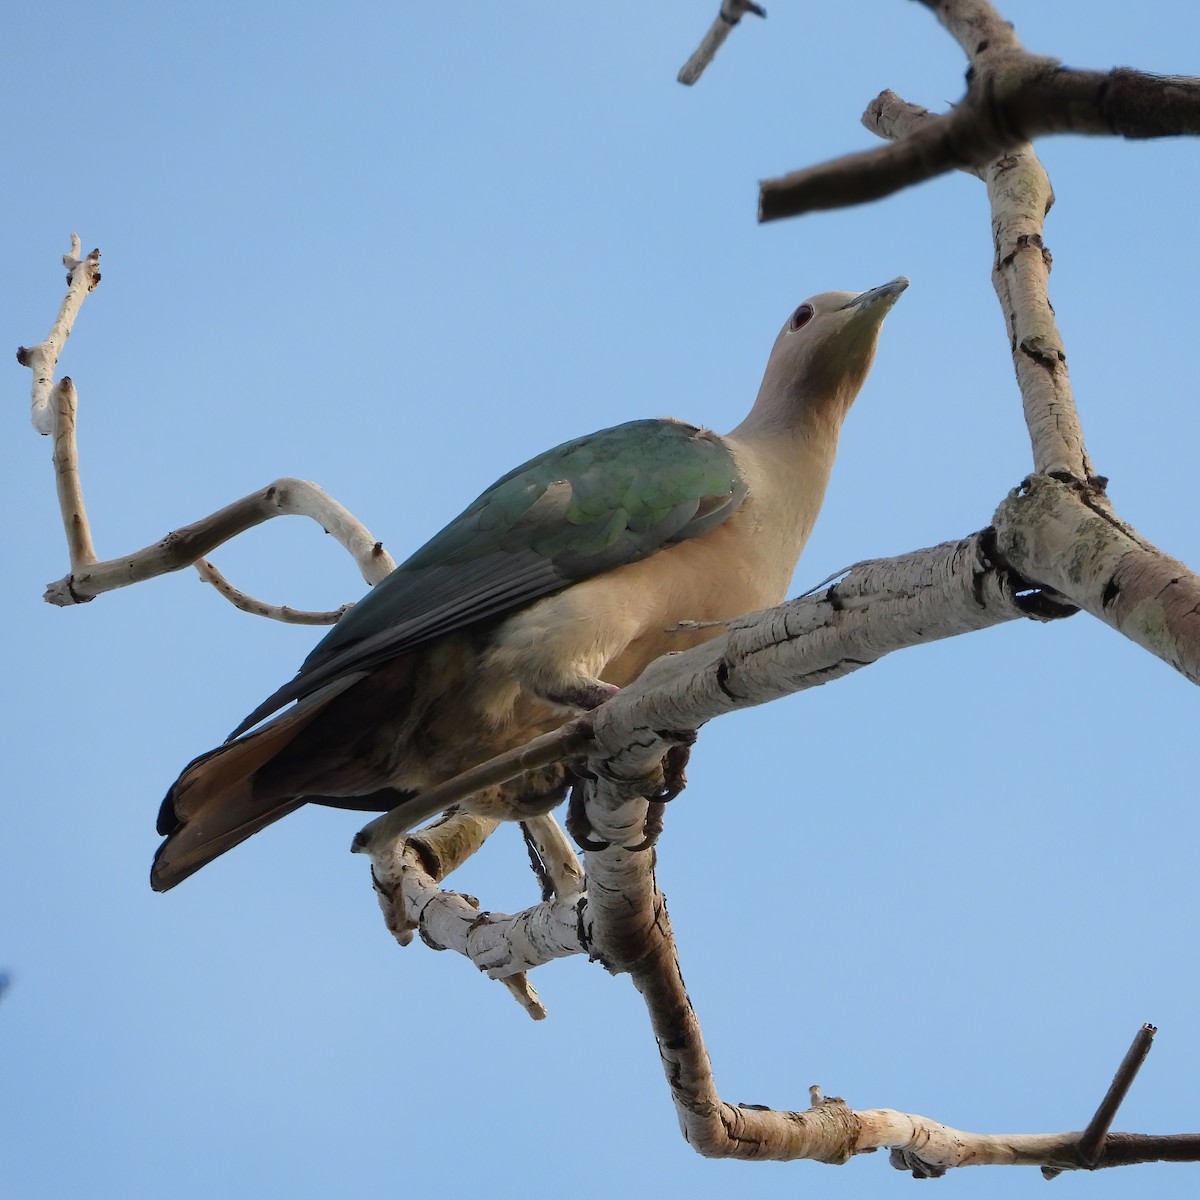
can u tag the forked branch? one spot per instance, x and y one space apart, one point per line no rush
54 408
1012 97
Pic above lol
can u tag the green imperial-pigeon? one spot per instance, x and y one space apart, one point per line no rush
551 591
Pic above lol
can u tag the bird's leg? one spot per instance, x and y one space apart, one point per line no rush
581 692
536 792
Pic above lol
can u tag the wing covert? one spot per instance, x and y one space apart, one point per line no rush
582 508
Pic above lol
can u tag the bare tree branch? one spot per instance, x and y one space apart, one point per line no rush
559 863
1094 1139
1068 539
625 925
1020 196
258 608
54 411
731 12
83 276
1059 528
81 551
1012 98
184 546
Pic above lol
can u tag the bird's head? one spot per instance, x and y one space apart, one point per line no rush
822 354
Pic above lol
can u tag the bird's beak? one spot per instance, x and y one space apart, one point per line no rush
887 294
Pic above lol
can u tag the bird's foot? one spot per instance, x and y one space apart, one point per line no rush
578 825
652 827
674 767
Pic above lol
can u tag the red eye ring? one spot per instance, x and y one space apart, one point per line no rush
800 317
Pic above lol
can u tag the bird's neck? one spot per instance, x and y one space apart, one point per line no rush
790 430
787 465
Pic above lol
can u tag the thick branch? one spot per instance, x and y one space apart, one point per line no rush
879 607
1068 539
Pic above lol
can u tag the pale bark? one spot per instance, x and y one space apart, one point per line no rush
1070 539
258 608
83 275
54 412
186 546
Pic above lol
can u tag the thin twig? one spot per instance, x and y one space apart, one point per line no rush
555 854
185 546
83 275
730 14
1093 1139
80 549
525 994
54 411
259 608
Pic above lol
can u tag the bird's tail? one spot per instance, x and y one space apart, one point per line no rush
214 803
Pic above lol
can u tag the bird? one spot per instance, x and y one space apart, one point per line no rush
547 594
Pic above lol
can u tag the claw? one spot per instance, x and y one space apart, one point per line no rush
653 827
578 825
675 763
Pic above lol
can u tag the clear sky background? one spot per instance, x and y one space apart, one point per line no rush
397 249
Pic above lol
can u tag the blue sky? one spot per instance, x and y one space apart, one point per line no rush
397 249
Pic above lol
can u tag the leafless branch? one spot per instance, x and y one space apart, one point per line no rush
1012 98
1020 196
731 12
83 276
184 546
275 612
54 412
1059 528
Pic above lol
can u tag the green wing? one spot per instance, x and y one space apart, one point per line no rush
583 508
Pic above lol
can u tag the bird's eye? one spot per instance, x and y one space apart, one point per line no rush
801 317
